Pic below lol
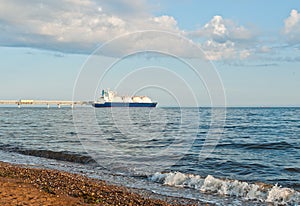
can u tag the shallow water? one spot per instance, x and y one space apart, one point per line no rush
166 150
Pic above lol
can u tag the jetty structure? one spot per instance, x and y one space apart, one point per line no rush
47 103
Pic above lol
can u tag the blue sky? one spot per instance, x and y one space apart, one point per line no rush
253 45
264 14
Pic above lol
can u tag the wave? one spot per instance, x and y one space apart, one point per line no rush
248 191
57 155
293 169
64 156
282 145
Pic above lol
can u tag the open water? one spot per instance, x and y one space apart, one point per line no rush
250 158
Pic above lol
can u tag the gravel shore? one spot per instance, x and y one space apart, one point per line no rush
20 185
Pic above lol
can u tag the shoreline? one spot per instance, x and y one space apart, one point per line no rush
22 185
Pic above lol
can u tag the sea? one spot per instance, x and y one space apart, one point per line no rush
222 156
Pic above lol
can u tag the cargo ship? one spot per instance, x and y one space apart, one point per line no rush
111 99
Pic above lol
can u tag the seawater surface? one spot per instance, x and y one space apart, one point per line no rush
255 158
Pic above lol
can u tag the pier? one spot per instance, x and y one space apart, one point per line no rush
47 103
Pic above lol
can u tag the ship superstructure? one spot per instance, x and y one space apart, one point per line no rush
110 98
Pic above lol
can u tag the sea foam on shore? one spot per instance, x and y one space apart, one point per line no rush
248 191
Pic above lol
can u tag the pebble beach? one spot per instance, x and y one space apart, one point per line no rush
20 185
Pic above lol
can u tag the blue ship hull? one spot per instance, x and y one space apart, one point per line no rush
123 104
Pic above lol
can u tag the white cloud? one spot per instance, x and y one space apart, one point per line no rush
166 22
292 27
222 30
224 39
215 29
154 41
80 26
224 51
74 25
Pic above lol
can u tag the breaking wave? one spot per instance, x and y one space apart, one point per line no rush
259 192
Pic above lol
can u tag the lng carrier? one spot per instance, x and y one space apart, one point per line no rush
111 99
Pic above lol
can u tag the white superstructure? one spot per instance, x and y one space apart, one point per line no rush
111 96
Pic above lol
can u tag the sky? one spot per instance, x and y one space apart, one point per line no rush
253 48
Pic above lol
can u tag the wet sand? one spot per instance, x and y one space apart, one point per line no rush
20 185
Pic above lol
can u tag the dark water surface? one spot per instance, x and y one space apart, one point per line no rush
160 149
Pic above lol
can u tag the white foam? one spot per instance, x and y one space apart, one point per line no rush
178 179
234 188
283 196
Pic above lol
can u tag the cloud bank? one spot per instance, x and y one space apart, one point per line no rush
80 26
74 26
292 27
